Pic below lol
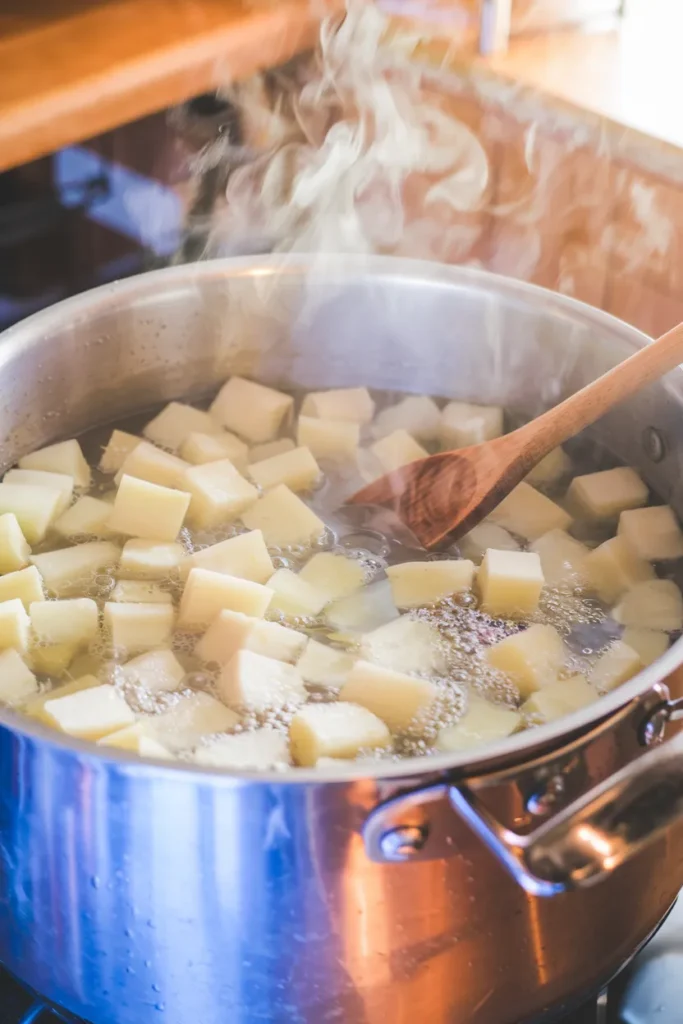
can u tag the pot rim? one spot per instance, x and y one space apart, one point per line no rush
33 330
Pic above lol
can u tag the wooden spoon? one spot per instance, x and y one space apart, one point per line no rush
443 496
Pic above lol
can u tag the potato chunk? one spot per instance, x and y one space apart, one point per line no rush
483 722
364 609
177 421
335 730
261 452
145 462
67 570
604 495
395 697
53 659
463 424
253 411
138 627
26 584
254 681
219 494
406 644
476 543
89 714
655 604
231 631
128 738
14 548
140 592
88 517
284 519
418 414
562 557
324 665
39 478
351 404
396 450
35 706
613 567
335 576
260 749
186 722
530 659
155 671
207 593
65 457
298 469
150 560
198 449
649 644
614 667
328 439
510 583
293 596
148 511
560 698
35 508
17 682
74 622
529 514
555 465
414 584
653 534
118 448
245 556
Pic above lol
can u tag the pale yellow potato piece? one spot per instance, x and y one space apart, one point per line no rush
186 722
328 439
14 548
35 508
147 510
118 448
482 722
149 747
259 749
17 682
176 422
35 706
207 593
219 494
562 557
65 457
146 462
73 622
40 478
351 404
253 411
405 644
395 697
68 570
604 495
510 583
284 519
53 659
26 584
294 596
150 559
140 592
652 533
335 576
529 514
245 556
257 682
334 730
260 452
418 414
298 469
655 604
127 738
560 698
324 665
90 713
555 465
617 665
198 449
87 517
155 671
230 631
476 543
396 450
414 584
138 627
530 659
613 567
463 424
649 644
364 609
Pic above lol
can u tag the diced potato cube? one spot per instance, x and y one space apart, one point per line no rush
155 466
207 593
260 749
555 465
65 457
298 469
614 667
396 450
35 707
74 622
364 609
176 422
649 644
260 452
71 569
414 584
351 404
254 681
418 414
89 714
652 533
395 697
562 557
654 604
52 660
284 519
201 448
127 738
604 495
138 627
335 730
14 548
335 576
529 514
147 510
140 592
324 665
219 494
88 517
245 556
253 411
149 747
155 671
328 439
530 659
482 722
230 631
463 424
119 447
26 584
184 724
40 478
560 698
35 508
150 560
612 568
410 645
476 543
293 596
17 682
510 583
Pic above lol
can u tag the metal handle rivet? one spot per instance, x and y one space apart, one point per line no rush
403 842
654 444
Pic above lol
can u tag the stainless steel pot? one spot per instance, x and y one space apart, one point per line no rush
455 890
